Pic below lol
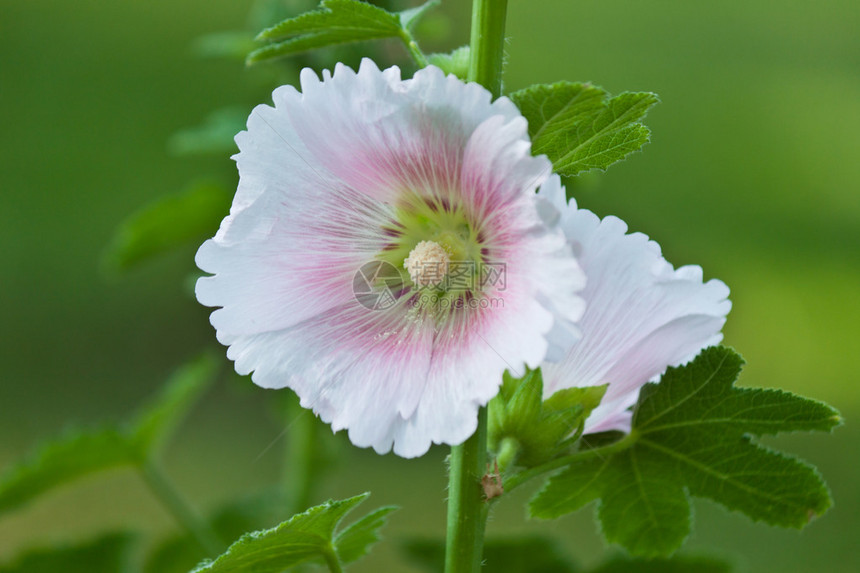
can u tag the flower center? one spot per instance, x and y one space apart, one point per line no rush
441 249
427 264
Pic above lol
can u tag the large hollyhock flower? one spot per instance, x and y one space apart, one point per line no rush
641 316
386 255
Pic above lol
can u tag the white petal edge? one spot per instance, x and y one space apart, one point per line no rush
289 184
642 316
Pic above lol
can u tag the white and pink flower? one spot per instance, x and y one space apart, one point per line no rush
642 315
426 176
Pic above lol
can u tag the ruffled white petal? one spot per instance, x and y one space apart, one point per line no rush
321 174
641 316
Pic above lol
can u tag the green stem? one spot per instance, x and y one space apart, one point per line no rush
519 479
413 49
181 511
488 44
332 561
467 508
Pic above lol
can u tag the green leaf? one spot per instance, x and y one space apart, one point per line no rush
579 127
336 22
456 62
538 430
647 512
156 421
62 460
529 554
350 17
108 554
83 452
354 541
589 398
308 536
214 136
168 223
718 407
691 435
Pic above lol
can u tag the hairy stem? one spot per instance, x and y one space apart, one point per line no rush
467 508
332 561
413 49
488 43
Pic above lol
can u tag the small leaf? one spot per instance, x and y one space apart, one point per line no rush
540 429
568 409
346 16
588 397
83 452
108 554
525 406
336 22
56 462
355 541
308 536
691 434
456 62
156 422
168 223
214 136
579 127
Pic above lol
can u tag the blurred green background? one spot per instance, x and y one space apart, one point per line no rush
753 172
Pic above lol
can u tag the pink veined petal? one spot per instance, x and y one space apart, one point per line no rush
642 316
322 174
361 131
